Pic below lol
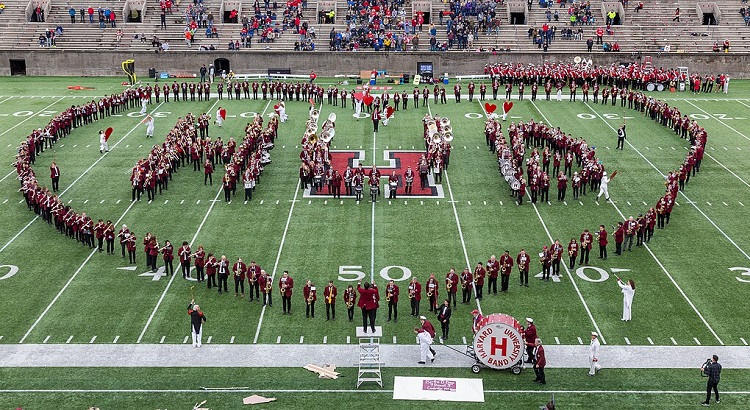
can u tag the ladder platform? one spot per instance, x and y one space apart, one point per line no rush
366 333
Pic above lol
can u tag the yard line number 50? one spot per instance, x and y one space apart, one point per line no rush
353 273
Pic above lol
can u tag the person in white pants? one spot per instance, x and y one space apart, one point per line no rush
603 187
103 146
357 108
197 318
425 335
144 105
628 291
219 120
282 112
594 354
149 120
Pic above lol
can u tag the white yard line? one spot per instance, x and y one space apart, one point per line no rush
30 117
565 265
80 268
458 225
372 217
681 192
718 119
727 169
76 180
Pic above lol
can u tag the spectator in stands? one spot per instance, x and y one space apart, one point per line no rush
112 19
725 47
118 35
39 13
2 7
639 7
676 15
72 12
91 15
163 17
716 47
589 44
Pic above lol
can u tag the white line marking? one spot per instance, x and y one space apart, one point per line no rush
348 339
116 339
185 340
162 339
741 204
728 170
39 319
557 341
720 121
627 341
674 342
301 339
698 341
231 340
580 342
743 341
30 117
725 204
208 341
92 340
649 340
463 339
46 339
325 339
261 202
69 339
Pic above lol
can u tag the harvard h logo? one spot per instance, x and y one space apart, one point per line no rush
397 161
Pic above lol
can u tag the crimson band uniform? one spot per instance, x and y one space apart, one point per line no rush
330 293
253 284
466 285
309 292
350 299
286 284
415 295
393 291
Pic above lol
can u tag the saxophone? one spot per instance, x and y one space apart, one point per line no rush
329 298
268 286
388 297
350 302
310 297
282 290
411 293
448 284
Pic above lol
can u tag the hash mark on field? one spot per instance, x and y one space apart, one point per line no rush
149 202
75 145
309 201
557 341
101 202
627 341
421 202
650 341
208 341
647 148
709 204
69 339
261 202
394 340
301 339
324 202
406 202
463 339
580 203
348 339
565 203
389 202
341 202
118 201
1 337
725 149
725 204
70 200
644 203
182 202
437 202
6 200
92 340
185 339
697 341
469 202
660 148
277 202
673 149
325 339
485 203
629 204
166 201
741 339
674 342
116 339
278 339
501 203
198 202
741 204
21 201
161 341
231 340
580 342
88 145
46 339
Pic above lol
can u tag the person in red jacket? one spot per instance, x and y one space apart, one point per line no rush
391 296
506 266
350 299
466 280
286 284
425 334
368 303
540 361
479 273
572 252
415 295
493 267
310 295
523 260
167 253
619 237
602 235
239 269
54 173
184 255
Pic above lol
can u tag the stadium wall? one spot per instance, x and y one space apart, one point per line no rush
99 62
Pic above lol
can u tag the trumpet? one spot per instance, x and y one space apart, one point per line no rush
429 293
570 252
282 290
388 297
464 284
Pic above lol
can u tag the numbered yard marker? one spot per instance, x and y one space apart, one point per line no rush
22 113
745 272
603 275
250 114
354 273
405 273
586 116
12 270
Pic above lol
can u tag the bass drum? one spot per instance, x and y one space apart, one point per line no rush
660 87
498 343
650 87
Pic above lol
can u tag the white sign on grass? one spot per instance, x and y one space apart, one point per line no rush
438 388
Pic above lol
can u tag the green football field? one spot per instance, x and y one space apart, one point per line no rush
693 277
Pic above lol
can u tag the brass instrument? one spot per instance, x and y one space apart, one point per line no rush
282 290
310 297
268 286
350 303
252 279
464 284
329 298
570 252
448 284
429 293
388 297
411 293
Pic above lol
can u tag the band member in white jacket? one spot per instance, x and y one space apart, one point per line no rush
628 290
149 121
604 187
594 354
103 146
425 335
219 119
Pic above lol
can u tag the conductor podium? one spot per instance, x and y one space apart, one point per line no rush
369 356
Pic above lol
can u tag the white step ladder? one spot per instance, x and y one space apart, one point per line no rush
369 357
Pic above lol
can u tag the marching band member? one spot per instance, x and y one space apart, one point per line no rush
586 240
149 121
425 335
466 281
350 299
477 320
130 244
391 296
265 283
444 317
330 293
282 111
432 292
211 265
223 272
239 269
594 354
479 273
200 256
392 185
286 284
451 285
409 180
572 252
545 259
197 318
540 360
109 237
602 236
628 291
184 254
368 301
103 146
123 235
603 187
493 267
415 295
506 266
556 252
529 336
310 295
219 119
523 260
54 174
253 273
166 252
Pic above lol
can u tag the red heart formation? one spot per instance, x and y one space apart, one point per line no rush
490 108
507 106
368 99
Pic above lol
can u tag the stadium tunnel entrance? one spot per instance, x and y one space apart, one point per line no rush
221 64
